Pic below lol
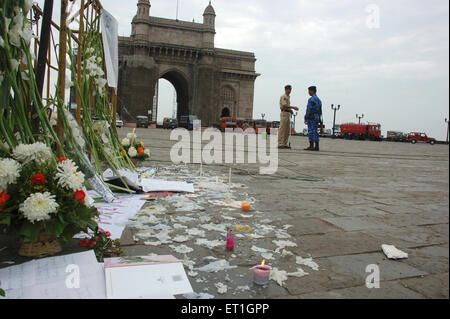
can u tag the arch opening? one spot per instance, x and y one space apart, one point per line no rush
225 112
181 87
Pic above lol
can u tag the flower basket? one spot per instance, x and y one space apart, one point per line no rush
45 245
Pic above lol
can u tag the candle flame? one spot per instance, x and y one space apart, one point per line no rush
263 262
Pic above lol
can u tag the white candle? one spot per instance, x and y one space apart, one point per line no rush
229 179
201 169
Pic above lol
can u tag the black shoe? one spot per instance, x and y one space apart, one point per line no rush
316 148
311 147
282 147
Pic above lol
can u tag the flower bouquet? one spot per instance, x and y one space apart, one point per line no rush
103 245
135 150
43 200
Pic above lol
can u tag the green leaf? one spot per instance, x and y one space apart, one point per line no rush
2 292
55 227
29 231
6 221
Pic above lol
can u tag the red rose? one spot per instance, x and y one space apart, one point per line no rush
38 179
84 243
4 198
80 196
62 159
108 234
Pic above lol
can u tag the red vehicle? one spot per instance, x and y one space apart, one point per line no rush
228 122
415 137
361 131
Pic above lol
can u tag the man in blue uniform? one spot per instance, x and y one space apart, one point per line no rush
313 118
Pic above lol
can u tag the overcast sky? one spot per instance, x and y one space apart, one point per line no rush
396 75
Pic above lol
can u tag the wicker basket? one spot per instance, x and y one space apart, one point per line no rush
45 245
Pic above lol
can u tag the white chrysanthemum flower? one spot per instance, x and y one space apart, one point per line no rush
68 176
9 172
38 152
132 152
147 152
28 4
38 207
125 142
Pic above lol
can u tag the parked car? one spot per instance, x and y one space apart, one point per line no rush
394 136
173 124
166 123
415 137
142 121
187 121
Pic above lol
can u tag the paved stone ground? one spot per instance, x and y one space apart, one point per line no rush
343 204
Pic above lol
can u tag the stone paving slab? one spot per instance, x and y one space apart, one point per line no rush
387 290
409 237
355 265
310 226
337 244
358 223
357 211
433 286
432 259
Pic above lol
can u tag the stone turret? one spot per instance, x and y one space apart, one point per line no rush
140 26
209 16
209 22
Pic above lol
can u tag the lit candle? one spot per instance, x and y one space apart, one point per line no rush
261 274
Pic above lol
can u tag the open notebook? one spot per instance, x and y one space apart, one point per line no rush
146 277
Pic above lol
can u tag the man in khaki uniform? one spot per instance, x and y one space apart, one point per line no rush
285 118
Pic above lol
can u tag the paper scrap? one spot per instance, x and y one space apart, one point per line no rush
393 253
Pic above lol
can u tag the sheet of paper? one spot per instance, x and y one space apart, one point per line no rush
56 278
158 277
114 216
156 185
